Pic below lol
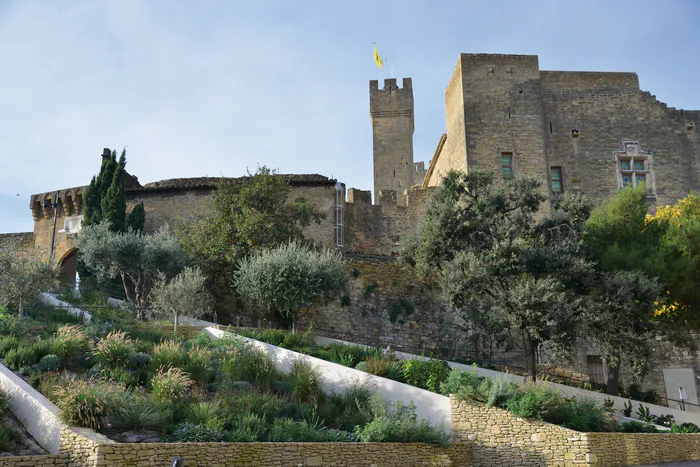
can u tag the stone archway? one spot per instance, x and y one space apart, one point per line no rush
68 267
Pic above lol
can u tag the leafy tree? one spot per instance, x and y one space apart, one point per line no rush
24 275
290 278
137 259
246 215
183 295
678 262
621 321
137 218
493 256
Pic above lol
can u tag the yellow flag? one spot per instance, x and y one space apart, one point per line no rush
377 58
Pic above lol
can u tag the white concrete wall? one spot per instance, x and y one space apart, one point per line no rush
569 391
39 415
50 299
336 378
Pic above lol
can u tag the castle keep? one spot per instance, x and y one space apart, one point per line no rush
587 132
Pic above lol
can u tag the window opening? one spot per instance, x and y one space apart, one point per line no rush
555 174
507 165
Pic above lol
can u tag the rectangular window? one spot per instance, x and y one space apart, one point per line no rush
557 186
596 372
626 180
507 165
639 165
625 165
641 178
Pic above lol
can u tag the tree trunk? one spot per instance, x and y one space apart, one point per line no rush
613 383
475 336
175 327
21 309
529 351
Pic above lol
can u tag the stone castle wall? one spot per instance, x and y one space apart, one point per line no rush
23 239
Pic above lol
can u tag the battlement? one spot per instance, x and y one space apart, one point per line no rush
391 86
588 79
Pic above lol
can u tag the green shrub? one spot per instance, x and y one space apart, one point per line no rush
41 348
200 363
249 364
114 351
11 325
294 340
362 366
584 415
266 406
88 404
201 339
8 439
20 357
137 414
120 375
140 359
206 413
50 385
4 404
288 430
347 410
168 354
170 384
536 401
637 427
8 343
500 390
247 428
69 342
399 424
466 385
426 374
305 381
685 428
380 365
189 433
50 363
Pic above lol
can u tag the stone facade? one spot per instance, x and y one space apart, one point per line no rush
574 122
391 110
36 461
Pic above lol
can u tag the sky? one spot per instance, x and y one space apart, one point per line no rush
212 88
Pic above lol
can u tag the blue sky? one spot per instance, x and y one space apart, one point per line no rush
216 87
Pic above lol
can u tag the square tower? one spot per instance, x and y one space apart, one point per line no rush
391 110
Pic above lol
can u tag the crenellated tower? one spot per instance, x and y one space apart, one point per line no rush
391 110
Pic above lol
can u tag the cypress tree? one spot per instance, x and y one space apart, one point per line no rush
91 203
137 218
113 202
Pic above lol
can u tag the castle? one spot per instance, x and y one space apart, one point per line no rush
588 132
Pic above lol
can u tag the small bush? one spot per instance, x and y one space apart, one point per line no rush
466 385
69 342
50 363
120 375
139 414
7 439
8 343
206 413
305 381
190 433
140 359
40 349
426 374
637 427
168 354
362 366
380 365
247 428
249 364
87 404
399 424
685 428
584 415
50 385
20 357
501 389
200 363
266 406
535 401
288 430
114 351
170 384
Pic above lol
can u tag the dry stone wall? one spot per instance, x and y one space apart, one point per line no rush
35 461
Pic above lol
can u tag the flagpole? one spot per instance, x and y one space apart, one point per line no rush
374 68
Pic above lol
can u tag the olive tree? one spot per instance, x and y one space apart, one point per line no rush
137 259
24 275
183 295
290 279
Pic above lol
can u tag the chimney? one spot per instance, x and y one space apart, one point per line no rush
106 153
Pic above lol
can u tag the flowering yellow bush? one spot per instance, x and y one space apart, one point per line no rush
686 207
